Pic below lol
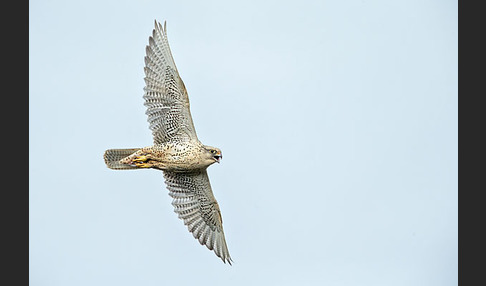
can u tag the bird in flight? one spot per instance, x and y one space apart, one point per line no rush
176 151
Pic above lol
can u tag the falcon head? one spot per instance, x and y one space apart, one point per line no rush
214 154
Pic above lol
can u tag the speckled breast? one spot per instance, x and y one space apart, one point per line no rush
176 156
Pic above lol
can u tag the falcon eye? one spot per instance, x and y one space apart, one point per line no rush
213 151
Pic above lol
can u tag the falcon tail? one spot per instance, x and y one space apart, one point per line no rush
113 156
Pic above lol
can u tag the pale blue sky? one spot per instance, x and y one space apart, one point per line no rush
337 120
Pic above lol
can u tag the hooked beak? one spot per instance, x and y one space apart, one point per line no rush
218 157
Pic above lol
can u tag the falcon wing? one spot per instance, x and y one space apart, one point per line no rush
165 94
195 204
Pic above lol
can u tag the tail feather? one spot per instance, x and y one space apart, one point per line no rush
113 156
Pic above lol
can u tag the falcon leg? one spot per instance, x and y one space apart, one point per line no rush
141 158
142 161
143 165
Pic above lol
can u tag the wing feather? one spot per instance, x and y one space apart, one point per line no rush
194 202
165 95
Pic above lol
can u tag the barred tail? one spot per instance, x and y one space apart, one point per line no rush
113 156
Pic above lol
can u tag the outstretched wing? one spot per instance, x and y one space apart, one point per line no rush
165 94
195 204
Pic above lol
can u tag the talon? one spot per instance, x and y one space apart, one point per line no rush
142 158
143 165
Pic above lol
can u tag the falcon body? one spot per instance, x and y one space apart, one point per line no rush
177 157
176 150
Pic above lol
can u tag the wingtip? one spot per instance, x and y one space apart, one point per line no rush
229 260
158 25
225 257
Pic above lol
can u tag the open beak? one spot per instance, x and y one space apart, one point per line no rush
218 157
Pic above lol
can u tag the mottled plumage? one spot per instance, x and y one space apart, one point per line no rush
176 150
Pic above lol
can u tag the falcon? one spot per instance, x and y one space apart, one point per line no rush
176 150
